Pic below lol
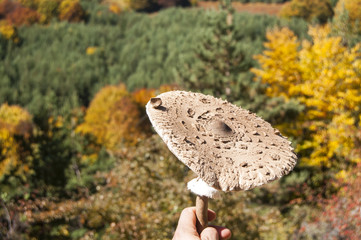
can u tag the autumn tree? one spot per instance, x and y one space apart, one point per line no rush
16 14
7 6
112 117
309 10
22 15
8 32
15 128
71 11
324 76
47 9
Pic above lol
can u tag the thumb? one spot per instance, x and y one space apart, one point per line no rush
209 233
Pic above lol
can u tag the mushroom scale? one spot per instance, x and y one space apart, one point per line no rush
228 147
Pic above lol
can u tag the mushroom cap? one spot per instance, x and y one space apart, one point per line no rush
228 147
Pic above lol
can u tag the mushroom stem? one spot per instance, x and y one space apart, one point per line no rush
202 213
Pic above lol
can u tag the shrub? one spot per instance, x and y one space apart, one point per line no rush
339 217
7 6
16 14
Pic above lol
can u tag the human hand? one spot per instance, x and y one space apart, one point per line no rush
186 229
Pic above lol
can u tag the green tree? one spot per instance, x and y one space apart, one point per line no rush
220 62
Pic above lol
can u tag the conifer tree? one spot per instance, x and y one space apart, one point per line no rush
219 65
218 58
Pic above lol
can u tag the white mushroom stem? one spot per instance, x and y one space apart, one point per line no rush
201 188
203 191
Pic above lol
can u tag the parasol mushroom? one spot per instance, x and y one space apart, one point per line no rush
229 148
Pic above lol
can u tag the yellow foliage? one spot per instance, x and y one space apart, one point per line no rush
325 76
168 87
112 118
13 121
71 10
13 117
117 6
8 31
117 118
278 62
308 10
139 4
142 96
341 174
353 8
91 50
47 9
54 123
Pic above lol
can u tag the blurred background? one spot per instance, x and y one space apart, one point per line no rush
79 159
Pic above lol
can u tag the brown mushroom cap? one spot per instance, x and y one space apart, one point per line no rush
228 147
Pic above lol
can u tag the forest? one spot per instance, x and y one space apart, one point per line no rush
80 160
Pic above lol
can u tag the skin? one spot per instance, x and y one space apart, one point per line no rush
186 229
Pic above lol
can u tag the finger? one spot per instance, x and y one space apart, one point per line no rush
186 225
211 215
209 233
223 232
188 217
190 214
